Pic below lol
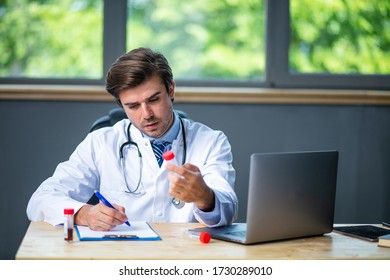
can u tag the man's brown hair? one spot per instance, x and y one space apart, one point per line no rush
136 66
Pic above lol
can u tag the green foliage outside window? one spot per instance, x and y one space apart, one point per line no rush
49 38
221 39
340 36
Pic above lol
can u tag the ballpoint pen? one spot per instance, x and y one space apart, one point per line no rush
107 203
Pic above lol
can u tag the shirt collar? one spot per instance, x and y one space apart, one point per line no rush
170 135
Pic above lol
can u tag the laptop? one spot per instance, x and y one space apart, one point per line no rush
291 195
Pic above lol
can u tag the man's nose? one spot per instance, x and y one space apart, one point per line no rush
146 111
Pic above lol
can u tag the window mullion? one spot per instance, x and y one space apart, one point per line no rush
114 37
277 41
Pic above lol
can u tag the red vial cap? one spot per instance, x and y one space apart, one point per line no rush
205 237
68 211
168 155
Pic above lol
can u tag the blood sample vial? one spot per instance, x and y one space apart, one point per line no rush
68 224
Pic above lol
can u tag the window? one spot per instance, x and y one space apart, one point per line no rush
244 43
203 40
51 39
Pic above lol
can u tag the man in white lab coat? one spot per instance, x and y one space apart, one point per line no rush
120 163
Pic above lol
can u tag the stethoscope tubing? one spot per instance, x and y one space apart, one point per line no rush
177 203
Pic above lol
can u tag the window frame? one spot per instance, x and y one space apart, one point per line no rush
277 75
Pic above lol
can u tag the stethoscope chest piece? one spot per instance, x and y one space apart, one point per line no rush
177 203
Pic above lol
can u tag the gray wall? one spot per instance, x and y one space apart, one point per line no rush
36 136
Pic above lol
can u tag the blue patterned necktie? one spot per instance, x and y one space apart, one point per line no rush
159 149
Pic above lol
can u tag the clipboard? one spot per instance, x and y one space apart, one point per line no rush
138 231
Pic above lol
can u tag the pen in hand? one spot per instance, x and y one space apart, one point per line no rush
107 203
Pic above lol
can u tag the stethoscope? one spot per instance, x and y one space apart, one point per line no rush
177 203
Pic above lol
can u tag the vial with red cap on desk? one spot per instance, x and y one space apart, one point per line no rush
204 237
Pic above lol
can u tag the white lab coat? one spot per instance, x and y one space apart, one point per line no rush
95 165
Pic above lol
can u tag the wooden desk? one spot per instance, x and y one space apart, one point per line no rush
43 241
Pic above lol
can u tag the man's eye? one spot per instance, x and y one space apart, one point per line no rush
132 107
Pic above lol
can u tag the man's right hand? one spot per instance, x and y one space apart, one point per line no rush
100 217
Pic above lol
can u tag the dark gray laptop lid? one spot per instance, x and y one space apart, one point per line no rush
291 195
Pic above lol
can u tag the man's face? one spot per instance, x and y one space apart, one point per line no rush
149 106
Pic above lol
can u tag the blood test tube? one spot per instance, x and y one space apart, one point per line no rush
68 224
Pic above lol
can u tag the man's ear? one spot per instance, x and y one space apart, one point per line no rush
172 91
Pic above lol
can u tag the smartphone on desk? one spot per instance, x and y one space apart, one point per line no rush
365 232
386 224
